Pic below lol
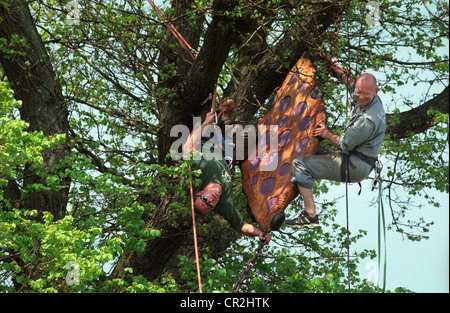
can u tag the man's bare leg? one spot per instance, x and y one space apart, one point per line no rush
307 195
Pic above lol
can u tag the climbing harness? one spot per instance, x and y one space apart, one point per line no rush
249 265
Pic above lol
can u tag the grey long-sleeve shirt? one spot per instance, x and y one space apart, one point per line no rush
365 130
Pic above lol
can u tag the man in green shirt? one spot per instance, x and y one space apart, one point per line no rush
216 190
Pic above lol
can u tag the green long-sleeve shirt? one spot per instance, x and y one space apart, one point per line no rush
217 171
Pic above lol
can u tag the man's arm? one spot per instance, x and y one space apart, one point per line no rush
356 134
322 131
250 230
197 134
342 75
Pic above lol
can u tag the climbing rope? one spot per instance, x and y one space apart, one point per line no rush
174 31
347 178
189 49
249 265
194 230
377 179
381 227
192 52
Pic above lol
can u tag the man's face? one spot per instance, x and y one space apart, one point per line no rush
365 91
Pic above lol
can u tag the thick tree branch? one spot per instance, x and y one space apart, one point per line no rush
396 61
417 120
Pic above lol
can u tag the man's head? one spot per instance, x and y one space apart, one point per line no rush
207 199
366 89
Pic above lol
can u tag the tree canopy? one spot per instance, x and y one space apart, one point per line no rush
90 199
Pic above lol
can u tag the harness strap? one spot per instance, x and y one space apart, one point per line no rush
345 167
365 158
347 163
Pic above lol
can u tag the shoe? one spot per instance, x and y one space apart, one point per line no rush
304 221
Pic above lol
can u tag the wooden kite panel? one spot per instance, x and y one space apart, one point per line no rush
298 110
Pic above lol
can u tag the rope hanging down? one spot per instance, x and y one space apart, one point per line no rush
174 31
188 48
377 178
381 226
191 52
195 237
348 79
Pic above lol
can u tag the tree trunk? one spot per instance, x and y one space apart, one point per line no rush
27 66
194 79
262 70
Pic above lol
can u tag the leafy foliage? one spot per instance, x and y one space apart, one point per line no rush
123 75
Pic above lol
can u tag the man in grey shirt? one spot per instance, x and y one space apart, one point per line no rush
359 147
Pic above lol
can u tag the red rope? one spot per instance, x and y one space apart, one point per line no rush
175 32
194 228
214 99
195 236
190 50
183 43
